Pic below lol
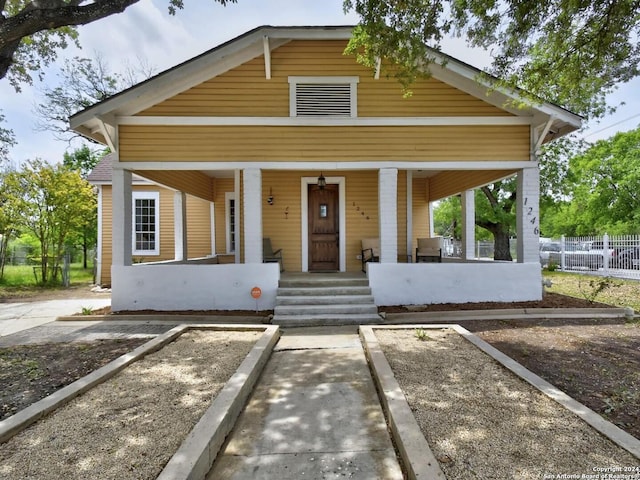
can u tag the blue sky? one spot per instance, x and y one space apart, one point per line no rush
146 30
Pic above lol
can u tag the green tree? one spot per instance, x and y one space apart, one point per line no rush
55 202
32 32
557 212
7 140
84 160
9 221
555 176
606 186
571 53
567 52
494 219
447 217
591 190
495 212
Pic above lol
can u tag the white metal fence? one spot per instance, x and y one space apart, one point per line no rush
609 255
483 248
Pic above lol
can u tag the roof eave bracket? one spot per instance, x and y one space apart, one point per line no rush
543 133
109 132
267 57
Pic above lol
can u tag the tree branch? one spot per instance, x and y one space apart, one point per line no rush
33 19
46 15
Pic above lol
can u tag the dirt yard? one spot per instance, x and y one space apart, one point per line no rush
595 361
29 373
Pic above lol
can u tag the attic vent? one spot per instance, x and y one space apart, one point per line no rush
320 99
323 97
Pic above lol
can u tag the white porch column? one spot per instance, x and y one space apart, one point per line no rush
180 225
212 215
388 208
528 215
237 174
409 214
252 178
468 203
122 242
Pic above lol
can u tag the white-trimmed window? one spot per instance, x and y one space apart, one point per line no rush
323 96
146 223
230 220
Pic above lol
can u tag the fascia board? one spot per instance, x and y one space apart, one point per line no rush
468 80
311 33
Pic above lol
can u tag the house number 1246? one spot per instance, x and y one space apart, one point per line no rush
532 219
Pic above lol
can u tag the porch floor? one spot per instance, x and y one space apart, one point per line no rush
321 275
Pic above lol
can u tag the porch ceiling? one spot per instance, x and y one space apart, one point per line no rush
193 182
448 183
442 183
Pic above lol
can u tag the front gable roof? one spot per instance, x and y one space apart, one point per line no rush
94 122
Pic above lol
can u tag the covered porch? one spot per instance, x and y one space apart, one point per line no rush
392 204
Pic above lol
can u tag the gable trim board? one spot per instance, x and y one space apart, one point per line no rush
336 165
323 121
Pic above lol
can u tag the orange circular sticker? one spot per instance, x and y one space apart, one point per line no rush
256 292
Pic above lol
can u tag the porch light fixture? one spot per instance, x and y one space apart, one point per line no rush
270 197
322 182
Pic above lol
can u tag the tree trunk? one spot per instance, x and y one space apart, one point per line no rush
4 242
84 250
501 246
501 242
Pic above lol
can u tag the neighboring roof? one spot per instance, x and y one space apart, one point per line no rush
91 121
102 173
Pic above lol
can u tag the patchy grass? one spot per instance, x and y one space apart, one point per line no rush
625 293
19 281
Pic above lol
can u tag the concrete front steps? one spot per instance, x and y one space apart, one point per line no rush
324 299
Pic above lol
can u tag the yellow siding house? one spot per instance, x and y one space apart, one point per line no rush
277 134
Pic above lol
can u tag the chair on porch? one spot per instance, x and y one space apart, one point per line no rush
370 251
271 256
429 250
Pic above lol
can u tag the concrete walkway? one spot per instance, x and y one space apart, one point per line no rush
313 414
20 316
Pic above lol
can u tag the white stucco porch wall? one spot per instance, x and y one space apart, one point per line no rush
193 287
425 283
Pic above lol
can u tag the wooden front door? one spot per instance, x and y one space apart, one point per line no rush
324 237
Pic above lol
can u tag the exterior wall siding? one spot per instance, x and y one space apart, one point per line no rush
281 143
362 216
198 227
244 90
222 185
198 220
420 196
107 234
282 220
402 216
